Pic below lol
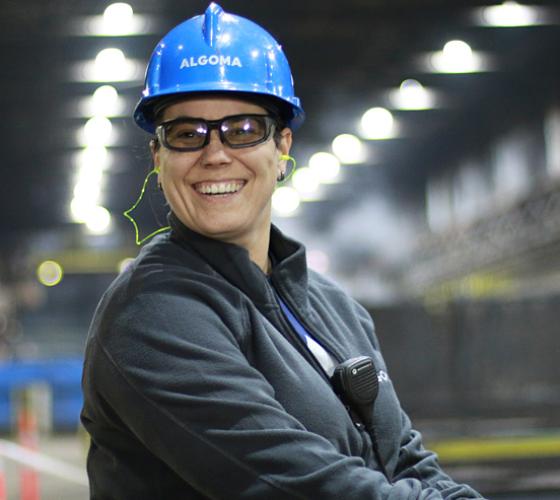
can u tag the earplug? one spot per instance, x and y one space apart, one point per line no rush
282 176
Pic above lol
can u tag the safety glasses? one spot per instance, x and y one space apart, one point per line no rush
237 131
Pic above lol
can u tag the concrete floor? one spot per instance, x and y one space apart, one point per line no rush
70 449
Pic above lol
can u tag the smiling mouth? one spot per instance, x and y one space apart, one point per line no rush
218 188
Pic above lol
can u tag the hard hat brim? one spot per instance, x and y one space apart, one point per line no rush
147 109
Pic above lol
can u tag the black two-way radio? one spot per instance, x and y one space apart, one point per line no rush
355 382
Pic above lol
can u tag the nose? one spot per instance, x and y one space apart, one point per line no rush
215 153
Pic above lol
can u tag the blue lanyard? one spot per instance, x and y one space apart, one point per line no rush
298 327
326 361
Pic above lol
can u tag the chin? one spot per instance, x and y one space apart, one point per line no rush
221 231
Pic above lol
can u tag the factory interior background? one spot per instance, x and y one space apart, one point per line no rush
427 185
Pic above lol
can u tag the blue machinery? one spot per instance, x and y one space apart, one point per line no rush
59 378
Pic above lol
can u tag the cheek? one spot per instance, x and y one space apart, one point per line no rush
173 168
269 175
267 165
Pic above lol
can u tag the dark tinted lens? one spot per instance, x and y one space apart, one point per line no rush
185 134
244 130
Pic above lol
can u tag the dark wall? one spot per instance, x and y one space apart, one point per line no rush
484 358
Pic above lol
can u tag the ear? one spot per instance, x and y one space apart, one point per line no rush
155 152
284 147
285 141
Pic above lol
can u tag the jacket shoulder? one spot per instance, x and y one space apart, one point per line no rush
169 289
325 289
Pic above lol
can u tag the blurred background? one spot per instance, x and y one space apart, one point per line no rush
428 185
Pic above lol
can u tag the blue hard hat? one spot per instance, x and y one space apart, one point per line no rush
219 52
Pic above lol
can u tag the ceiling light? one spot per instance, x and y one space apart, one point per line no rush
412 96
325 166
377 123
285 201
86 198
348 148
305 181
95 156
457 50
509 14
110 64
87 189
456 57
118 18
99 220
80 209
49 273
105 101
98 131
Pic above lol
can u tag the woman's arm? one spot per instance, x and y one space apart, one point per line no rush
175 376
417 462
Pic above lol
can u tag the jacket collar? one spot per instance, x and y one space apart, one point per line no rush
289 272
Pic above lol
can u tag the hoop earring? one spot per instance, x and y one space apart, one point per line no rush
126 213
283 177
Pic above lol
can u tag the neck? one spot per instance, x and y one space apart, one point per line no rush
258 252
256 242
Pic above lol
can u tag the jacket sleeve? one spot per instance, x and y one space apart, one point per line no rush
417 462
413 460
175 375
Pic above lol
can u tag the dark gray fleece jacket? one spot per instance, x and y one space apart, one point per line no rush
196 386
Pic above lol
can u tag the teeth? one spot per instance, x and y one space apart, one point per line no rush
219 187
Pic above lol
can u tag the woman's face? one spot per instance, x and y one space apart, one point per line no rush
242 216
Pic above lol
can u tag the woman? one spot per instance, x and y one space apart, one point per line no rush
217 365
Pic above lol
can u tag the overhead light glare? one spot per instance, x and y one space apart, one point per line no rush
86 198
412 96
377 123
325 166
509 14
305 181
118 18
457 56
88 189
49 273
285 201
458 50
94 156
110 64
348 148
81 208
98 131
105 101
99 220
